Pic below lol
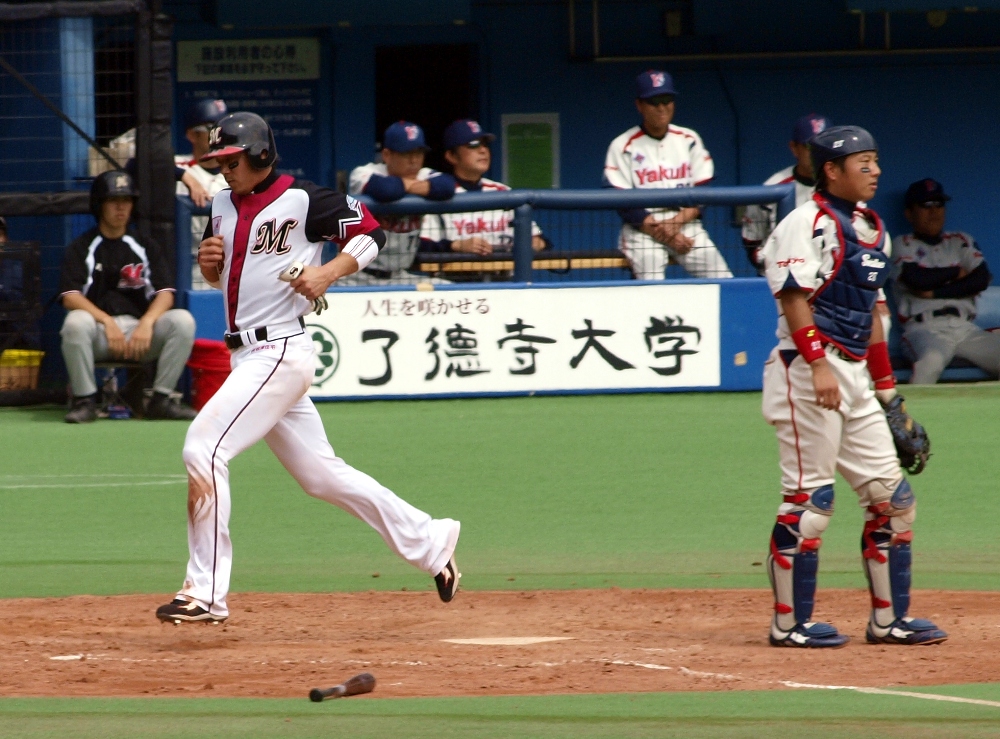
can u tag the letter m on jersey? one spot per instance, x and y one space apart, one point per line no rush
271 239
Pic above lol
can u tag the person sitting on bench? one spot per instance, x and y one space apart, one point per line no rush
938 276
120 295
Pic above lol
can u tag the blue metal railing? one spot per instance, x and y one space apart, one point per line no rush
524 203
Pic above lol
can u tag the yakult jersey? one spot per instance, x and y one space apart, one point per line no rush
496 226
265 232
956 249
119 276
637 160
402 233
759 220
802 251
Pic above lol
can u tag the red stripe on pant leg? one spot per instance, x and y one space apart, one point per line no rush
795 428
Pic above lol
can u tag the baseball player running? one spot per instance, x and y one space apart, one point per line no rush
260 227
826 264
658 154
759 220
401 172
938 276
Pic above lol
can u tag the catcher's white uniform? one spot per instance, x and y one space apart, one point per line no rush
637 160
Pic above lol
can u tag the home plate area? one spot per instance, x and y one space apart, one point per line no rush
509 643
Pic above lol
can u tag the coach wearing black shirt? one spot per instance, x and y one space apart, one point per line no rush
120 297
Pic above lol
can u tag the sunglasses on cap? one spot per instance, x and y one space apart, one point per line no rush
931 204
474 144
657 100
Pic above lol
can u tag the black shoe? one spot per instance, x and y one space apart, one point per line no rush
161 408
447 580
179 610
84 411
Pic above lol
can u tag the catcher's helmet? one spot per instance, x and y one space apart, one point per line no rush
837 142
113 184
204 112
243 132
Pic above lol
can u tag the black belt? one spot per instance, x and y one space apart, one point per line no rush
949 311
235 341
382 274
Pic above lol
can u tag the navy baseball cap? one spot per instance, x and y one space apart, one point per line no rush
925 191
203 112
808 126
839 141
465 131
654 82
404 137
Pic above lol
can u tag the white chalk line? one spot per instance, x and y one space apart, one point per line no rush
78 481
899 693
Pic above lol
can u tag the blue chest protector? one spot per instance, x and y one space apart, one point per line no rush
842 307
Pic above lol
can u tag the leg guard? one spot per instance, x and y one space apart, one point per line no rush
887 557
792 566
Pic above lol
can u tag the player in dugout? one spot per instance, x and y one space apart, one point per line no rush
401 172
483 232
826 264
660 155
759 220
938 276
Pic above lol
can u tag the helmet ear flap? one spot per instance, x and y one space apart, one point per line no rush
261 158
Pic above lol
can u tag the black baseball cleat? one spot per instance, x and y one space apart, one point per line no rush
179 610
162 408
84 411
447 580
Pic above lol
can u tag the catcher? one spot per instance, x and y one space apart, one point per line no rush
826 264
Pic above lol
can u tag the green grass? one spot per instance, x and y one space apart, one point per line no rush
671 490
737 715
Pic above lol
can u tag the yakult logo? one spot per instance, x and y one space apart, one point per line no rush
411 133
818 125
474 127
867 260
657 78
479 224
662 173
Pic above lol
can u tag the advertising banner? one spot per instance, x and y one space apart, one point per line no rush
516 341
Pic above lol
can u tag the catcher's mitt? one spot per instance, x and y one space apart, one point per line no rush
913 447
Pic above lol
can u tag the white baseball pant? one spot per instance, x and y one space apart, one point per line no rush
936 341
649 257
815 443
265 398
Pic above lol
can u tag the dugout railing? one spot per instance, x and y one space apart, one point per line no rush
582 227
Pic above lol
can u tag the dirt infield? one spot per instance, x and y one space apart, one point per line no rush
281 645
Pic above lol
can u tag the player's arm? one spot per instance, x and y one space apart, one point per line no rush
347 223
802 326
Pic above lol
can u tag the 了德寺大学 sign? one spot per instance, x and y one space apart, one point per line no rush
516 341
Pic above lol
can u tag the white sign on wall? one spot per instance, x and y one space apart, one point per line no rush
372 344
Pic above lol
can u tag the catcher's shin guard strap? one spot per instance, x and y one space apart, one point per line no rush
885 547
794 558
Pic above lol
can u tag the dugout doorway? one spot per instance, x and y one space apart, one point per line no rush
428 84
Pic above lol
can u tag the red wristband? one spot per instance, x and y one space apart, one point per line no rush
809 344
879 366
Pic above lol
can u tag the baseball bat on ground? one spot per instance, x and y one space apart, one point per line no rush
363 683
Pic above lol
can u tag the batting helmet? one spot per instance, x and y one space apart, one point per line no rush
113 184
837 142
202 112
243 132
